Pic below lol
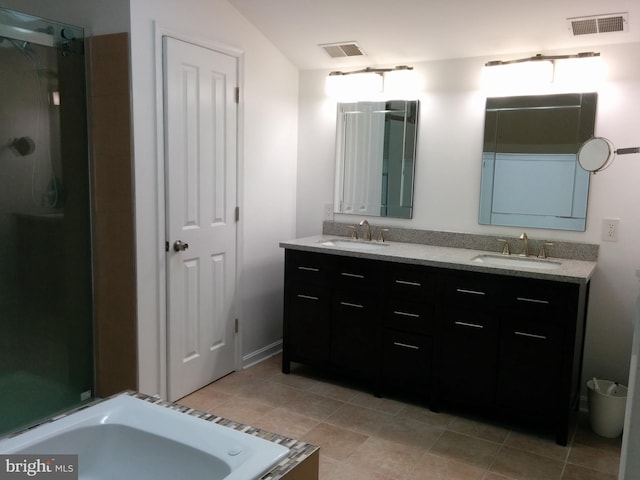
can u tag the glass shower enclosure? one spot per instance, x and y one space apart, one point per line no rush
46 338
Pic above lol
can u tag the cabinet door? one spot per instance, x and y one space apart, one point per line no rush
307 309
531 364
407 361
355 332
307 326
467 356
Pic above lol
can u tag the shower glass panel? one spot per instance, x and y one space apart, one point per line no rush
46 334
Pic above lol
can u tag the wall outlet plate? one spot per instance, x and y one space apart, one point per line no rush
610 227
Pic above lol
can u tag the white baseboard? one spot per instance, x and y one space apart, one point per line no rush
261 354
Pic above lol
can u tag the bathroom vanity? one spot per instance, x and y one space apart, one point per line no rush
453 325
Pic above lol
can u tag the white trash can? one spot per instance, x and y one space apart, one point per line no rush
607 402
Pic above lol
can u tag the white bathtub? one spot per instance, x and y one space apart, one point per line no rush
129 438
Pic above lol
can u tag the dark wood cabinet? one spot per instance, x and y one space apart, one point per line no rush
355 319
408 327
541 340
307 309
332 313
505 344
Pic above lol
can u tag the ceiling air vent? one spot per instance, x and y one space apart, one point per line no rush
612 22
344 49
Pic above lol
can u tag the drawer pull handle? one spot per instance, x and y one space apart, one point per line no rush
465 324
406 345
354 305
533 300
406 314
471 292
309 269
531 335
307 297
406 282
352 275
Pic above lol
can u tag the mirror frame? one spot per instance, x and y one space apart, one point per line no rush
350 172
538 215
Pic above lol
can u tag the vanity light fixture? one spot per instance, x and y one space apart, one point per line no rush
363 83
540 70
539 57
379 71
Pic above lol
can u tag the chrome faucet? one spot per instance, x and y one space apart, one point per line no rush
367 232
525 245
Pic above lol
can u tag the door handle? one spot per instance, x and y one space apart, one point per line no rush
180 246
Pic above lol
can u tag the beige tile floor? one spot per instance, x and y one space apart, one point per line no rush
362 437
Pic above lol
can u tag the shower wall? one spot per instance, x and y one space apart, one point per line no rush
46 359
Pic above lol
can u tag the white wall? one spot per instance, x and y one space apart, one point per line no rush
447 184
268 132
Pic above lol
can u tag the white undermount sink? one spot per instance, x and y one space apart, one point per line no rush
515 262
353 244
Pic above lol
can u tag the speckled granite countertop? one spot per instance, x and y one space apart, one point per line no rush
573 271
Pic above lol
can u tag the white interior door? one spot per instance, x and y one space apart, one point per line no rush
201 184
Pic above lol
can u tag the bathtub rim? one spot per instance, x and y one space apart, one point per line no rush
124 407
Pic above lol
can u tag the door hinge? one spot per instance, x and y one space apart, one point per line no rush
166 246
237 214
237 93
236 325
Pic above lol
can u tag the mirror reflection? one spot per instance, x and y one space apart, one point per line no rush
530 173
375 158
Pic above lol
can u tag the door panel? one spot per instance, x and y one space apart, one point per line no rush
201 186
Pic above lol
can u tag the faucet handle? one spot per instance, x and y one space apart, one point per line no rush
354 232
543 252
505 249
381 234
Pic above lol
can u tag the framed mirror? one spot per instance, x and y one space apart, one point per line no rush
375 158
530 172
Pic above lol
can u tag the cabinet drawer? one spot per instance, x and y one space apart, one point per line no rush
410 317
353 273
306 267
471 289
533 295
411 283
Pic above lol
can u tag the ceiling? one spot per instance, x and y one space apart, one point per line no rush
394 32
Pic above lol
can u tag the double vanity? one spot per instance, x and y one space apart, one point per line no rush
445 316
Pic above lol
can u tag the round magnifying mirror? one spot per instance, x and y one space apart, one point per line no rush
595 153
